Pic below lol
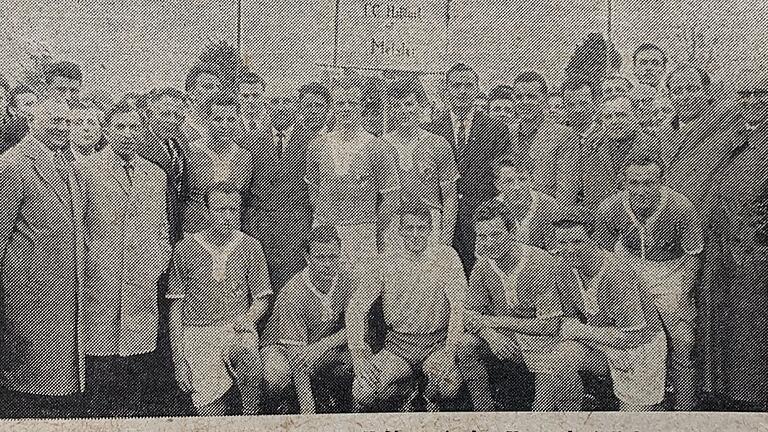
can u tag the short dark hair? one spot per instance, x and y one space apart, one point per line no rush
494 209
649 47
64 69
404 87
703 75
317 89
576 83
460 67
502 91
529 77
221 99
169 92
644 157
251 78
20 89
322 234
417 208
574 216
224 188
196 71
121 107
4 85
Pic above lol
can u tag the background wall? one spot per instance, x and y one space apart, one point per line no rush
137 44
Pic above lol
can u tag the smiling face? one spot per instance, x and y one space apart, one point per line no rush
688 94
405 111
68 89
619 118
415 231
643 185
649 67
492 238
461 90
51 124
348 107
324 260
86 129
125 133
314 110
224 122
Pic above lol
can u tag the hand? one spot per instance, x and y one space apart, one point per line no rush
244 324
474 322
305 358
183 375
441 365
502 347
571 329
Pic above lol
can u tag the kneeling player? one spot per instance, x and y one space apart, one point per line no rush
513 310
309 312
617 321
422 289
212 326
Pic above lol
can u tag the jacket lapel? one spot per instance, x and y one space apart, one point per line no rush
118 173
43 165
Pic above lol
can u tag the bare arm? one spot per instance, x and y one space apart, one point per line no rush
529 326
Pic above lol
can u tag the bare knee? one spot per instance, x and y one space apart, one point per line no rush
467 348
277 371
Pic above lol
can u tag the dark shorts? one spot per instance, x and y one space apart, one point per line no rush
414 348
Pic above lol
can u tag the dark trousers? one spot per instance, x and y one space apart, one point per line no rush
25 405
464 235
115 386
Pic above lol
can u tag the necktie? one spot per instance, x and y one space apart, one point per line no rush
128 167
461 140
280 138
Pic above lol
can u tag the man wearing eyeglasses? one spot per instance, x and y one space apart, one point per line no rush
733 296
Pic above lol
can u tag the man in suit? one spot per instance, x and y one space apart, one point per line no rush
476 140
42 239
277 209
128 250
551 150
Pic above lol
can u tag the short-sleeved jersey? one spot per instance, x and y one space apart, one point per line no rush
349 176
424 166
211 294
305 315
534 225
417 291
672 231
614 297
529 290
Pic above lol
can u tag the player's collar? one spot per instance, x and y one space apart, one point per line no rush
324 298
509 281
219 255
590 291
644 228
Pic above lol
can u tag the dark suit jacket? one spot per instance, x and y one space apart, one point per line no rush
488 139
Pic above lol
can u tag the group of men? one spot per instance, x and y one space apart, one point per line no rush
260 251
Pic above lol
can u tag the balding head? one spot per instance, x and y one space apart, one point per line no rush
51 121
619 118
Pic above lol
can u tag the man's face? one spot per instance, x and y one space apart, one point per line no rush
492 238
461 90
348 107
480 104
502 109
753 99
555 109
206 85
415 231
4 102
251 97
324 260
224 122
66 88
688 94
643 184
282 111
512 183
86 128
649 67
125 133
51 124
167 113
619 118
25 104
579 107
530 100
613 87
574 246
314 111
224 211
405 111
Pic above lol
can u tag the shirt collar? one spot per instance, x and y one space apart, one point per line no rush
324 298
286 134
467 121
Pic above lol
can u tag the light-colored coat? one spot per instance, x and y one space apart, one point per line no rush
127 251
41 238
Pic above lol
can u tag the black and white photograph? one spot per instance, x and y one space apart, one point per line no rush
340 209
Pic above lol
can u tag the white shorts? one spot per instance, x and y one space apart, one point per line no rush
639 374
541 354
394 240
207 352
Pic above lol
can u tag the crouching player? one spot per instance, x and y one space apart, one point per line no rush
611 316
513 311
657 231
422 288
216 273
312 340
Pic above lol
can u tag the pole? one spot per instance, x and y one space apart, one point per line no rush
240 27
610 20
336 34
